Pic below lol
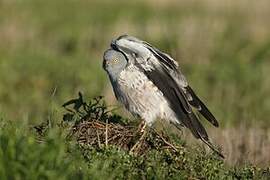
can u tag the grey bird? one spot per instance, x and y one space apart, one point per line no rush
151 86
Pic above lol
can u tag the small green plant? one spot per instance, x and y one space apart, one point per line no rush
95 109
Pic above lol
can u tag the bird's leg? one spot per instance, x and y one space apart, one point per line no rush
141 129
142 126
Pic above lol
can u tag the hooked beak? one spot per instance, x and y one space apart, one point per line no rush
113 45
105 65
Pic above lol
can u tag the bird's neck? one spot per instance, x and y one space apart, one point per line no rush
114 77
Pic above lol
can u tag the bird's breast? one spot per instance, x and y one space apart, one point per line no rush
139 95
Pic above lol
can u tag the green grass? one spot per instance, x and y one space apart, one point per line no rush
24 154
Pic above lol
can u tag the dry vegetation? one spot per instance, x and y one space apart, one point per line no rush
240 145
244 145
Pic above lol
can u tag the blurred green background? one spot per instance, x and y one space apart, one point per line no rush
50 50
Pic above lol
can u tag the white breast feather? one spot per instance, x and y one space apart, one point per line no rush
141 97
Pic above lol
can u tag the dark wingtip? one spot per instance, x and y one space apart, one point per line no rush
215 123
207 114
203 109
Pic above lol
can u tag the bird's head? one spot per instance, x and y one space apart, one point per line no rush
131 47
114 62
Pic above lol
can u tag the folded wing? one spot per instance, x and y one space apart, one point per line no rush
181 98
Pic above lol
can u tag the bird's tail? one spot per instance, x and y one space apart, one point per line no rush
211 146
199 132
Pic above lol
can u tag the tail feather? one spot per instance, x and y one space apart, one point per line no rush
211 146
198 127
199 132
203 136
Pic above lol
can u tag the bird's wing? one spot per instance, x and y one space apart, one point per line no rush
171 82
170 66
199 105
161 74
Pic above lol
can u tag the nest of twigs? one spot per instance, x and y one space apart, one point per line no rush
97 127
98 134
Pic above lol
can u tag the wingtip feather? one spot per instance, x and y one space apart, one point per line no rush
203 109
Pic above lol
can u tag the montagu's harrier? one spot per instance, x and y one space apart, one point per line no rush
150 85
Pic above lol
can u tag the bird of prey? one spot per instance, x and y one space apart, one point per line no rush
150 85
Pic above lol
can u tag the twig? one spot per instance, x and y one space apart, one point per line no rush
99 144
166 142
138 143
106 133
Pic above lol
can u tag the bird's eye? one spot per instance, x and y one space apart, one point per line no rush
115 60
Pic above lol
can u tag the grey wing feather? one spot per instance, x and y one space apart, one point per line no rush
161 76
177 101
163 57
166 84
172 67
166 76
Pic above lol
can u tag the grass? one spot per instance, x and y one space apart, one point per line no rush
51 153
51 50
